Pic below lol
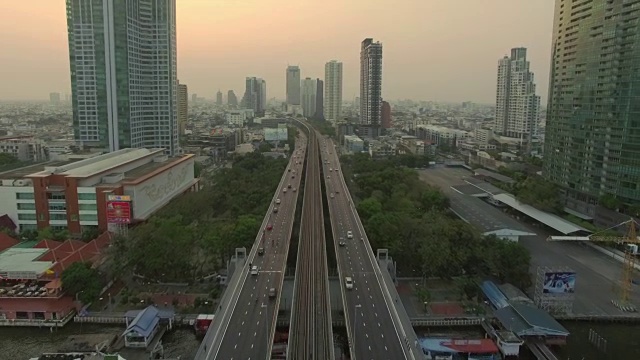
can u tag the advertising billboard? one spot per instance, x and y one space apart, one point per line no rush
559 283
279 134
118 209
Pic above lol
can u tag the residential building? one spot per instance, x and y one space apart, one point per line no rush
219 98
73 195
370 82
54 98
232 100
293 85
353 144
517 105
441 136
23 148
386 115
319 112
333 90
309 92
123 73
592 138
483 136
236 117
254 95
183 107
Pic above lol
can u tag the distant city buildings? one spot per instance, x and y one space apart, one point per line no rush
54 98
183 107
386 115
293 91
309 89
370 86
333 90
592 138
219 98
255 95
517 105
319 111
232 100
23 148
123 73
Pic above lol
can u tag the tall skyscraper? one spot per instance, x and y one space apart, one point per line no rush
370 82
123 73
592 138
386 115
333 90
319 108
219 98
293 85
54 98
309 89
517 105
255 95
183 107
232 99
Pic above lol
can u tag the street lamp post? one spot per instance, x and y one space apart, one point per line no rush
266 327
353 332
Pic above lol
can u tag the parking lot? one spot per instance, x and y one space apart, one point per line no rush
597 276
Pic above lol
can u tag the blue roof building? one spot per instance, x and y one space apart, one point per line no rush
141 331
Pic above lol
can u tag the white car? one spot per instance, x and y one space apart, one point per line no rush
254 270
278 201
349 235
348 283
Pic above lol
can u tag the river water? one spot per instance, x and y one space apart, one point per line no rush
623 341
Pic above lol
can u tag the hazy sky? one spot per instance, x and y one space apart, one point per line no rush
445 50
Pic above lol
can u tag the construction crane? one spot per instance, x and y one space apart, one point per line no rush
630 242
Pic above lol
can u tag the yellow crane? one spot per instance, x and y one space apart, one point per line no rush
630 240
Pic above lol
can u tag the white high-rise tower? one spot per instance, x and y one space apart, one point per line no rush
517 105
333 90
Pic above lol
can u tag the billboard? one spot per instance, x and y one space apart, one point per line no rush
279 134
118 209
556 283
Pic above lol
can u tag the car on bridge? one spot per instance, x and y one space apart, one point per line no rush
348 283
254 270
261 251
269 227
275 210
349 235
278 201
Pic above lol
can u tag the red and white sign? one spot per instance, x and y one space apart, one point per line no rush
118 212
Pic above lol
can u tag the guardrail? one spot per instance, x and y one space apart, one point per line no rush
397 323
230 299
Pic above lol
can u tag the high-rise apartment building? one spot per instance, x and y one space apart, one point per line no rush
319 111
370 82
308 94
293 85
517 105
232 99
54 98
333 90
386 115
123 73
592 138
219 98
183 107
255 95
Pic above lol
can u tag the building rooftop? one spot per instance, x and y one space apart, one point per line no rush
494 175
18 260
20 173
99 164
151 167
527 320
463 346
144 322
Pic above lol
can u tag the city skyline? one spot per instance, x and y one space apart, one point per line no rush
208 62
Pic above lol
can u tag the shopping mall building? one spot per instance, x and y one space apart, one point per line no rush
124 186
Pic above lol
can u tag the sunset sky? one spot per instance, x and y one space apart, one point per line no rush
443 50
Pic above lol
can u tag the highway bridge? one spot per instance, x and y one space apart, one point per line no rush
245 325
373 325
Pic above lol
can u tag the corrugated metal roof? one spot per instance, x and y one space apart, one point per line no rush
145 322
494 294
104 162
527 320
494 175
554 221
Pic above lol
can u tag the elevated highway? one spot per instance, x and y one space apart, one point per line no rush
245 325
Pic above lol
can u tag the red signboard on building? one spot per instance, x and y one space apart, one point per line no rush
118 212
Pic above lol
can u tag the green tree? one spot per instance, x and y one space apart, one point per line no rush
265 147
81 280
510 262
90 233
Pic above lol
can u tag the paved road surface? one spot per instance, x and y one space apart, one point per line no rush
373 333
249 333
